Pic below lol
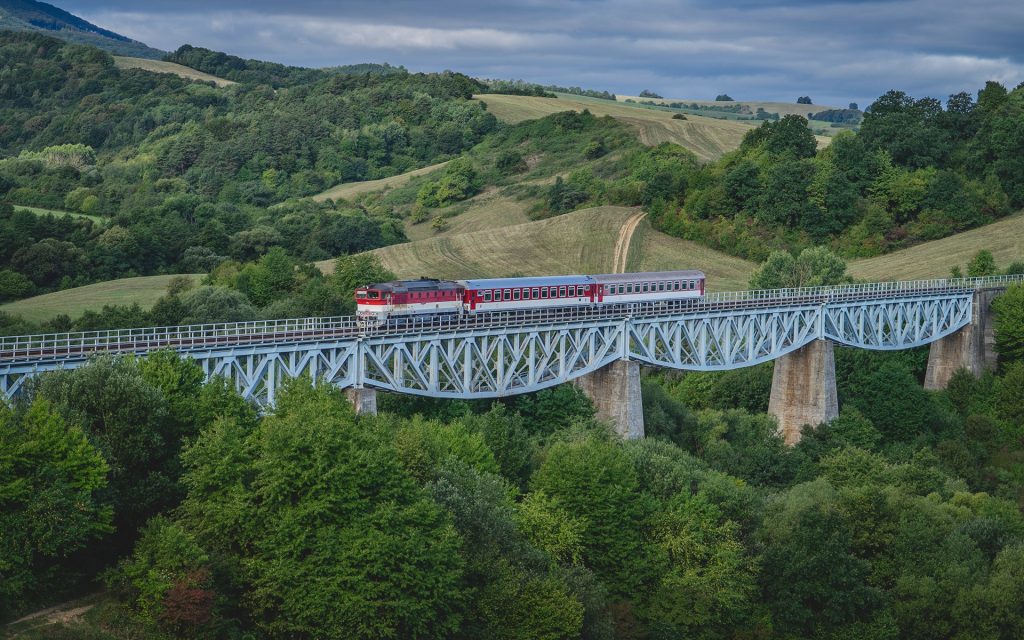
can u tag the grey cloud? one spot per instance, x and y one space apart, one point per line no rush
835 52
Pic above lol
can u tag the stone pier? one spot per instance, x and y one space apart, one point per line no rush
615 391
804 389
363 399
971 348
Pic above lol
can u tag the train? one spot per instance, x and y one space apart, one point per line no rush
386 301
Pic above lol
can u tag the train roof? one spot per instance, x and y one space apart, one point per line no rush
423 284
649 276
536 281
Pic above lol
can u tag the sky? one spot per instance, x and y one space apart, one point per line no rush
834 52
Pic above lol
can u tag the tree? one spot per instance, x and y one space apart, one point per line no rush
13 285
52 482
1009 324
814 267
595 482
982 264
810 579
335 538
723 97
354 271
853 106
804 100
647 93
709 587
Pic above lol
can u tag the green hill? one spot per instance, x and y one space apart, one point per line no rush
29 15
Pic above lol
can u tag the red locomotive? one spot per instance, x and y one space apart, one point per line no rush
426 296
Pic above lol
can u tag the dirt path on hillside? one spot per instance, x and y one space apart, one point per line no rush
622 242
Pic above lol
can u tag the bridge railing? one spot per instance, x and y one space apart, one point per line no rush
202 336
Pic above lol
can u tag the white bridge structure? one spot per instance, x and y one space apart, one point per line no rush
504 353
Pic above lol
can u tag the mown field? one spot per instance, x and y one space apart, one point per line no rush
1005 239
578 242
350 190
781 108
144 290
60 214
707 138
159 66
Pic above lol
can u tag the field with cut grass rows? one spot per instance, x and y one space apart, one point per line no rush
160 66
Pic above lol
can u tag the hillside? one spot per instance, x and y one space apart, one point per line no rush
29 15
707 138
781 108
161 66
1005 239
578 242
144 291
349 190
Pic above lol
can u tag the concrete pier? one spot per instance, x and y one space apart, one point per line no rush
971 348
615 391
363 399
804 389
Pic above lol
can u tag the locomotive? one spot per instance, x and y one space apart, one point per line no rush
381 302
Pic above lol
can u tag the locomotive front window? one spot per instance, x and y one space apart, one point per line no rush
374 295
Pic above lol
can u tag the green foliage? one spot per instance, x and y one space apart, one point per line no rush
52 503
1009 324
188 170
595 482
982 264
165 555
458 183
814 267
333 535
709 588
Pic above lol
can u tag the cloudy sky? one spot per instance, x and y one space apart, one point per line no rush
835 52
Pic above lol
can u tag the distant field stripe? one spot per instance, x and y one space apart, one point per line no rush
144 290
55 212
350 190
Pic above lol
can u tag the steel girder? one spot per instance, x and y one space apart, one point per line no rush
493 362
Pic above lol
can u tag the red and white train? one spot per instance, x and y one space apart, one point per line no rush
401 298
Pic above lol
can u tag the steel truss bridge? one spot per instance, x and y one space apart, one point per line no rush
506 353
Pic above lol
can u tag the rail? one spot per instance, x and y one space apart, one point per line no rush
55 346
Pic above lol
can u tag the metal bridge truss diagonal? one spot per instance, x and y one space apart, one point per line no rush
722 341
490 363
897 324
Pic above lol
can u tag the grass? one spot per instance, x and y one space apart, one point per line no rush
159 66
781 108
42 212
144 290
487 211
350 190
578 242
1005 239
708 138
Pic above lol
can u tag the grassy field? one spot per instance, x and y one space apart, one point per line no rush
1005 239
484 212
159 66
350 190
578 242
74 302
59 214
781 108
707 138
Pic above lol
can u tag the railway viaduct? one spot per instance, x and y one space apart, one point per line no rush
599 349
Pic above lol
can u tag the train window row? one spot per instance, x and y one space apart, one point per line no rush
651 287
533 293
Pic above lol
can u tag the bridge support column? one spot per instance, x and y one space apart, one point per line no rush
615 391
971 348
804 389
364 399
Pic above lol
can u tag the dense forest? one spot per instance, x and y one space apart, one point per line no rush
524 518
184 172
